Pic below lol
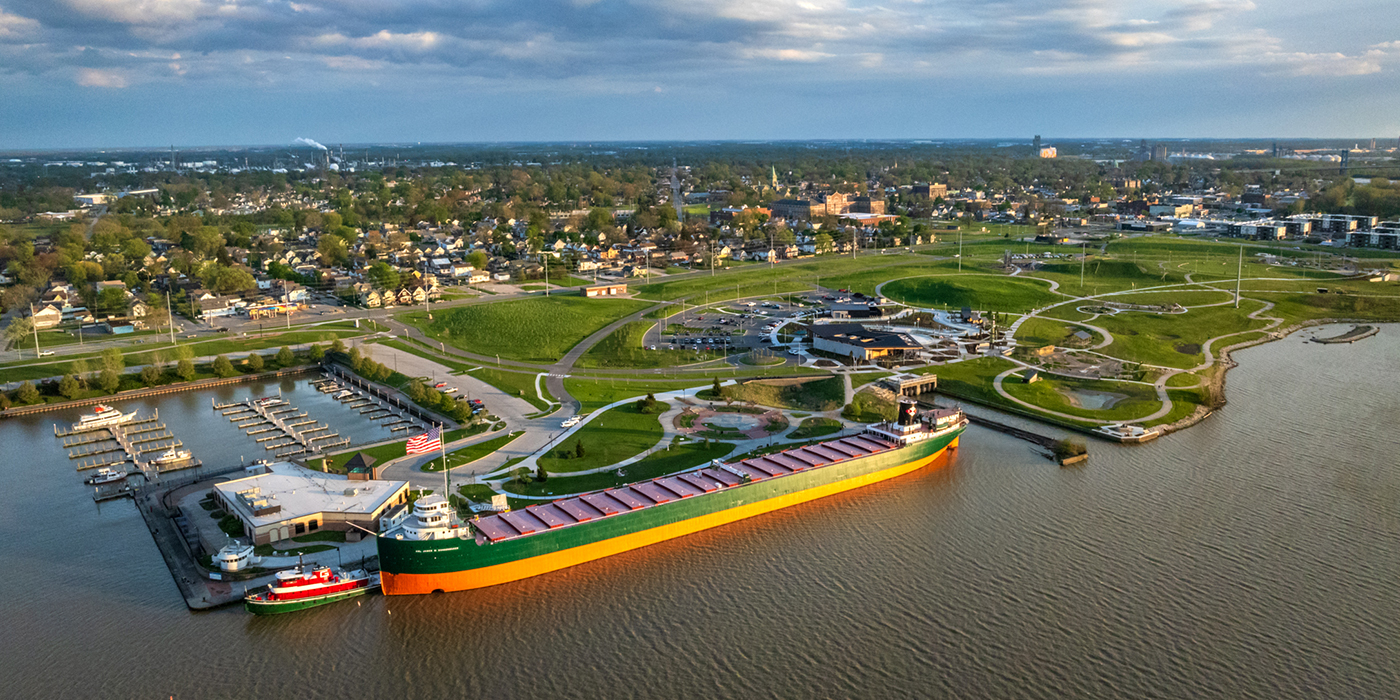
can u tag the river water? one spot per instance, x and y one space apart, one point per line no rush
1253 556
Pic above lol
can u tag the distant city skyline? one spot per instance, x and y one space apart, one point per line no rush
136 73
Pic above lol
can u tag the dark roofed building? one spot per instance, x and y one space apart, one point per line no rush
858 342
361 468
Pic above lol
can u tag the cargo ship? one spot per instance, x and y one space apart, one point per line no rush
434 552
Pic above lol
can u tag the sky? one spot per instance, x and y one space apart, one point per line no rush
132 73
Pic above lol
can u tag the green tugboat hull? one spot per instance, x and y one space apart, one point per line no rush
275 607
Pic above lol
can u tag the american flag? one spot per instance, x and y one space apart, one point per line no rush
427 442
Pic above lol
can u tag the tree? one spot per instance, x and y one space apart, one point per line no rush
223 367
478 259
285 358
578 449
109 380
333 251
316 352
112 360
382 275
4 401
151 375
185 369
255 362
68 387
714 388
27 393
111 301
338 346
19 330
357 361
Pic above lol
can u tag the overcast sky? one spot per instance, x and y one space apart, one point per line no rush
92 73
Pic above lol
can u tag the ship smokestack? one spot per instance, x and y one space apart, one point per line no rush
908 412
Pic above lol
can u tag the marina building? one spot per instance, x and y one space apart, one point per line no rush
287 501
858 342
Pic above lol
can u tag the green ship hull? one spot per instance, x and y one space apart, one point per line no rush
428 566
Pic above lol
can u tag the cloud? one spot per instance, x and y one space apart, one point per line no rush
93 77
14 27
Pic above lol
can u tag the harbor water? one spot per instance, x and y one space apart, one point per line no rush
1252 556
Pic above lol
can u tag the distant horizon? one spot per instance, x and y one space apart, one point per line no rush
1049 140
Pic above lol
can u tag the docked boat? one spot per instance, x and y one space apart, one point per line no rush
344 394
172 456
432 551
106 476
102 417
308 586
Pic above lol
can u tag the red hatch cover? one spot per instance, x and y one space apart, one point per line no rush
605 504
578 509
553 517
654 492
700 482
628 497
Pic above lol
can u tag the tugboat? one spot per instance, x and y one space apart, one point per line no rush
102 417
307 587
171 456
106 476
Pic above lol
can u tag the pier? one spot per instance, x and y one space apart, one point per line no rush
116 445
277 425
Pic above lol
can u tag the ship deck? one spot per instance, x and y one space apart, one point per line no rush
654 492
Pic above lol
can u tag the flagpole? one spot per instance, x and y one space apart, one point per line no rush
446 475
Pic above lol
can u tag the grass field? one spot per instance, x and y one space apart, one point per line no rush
22 370
540 330
971 378
518 384
1006 294
1173 340
1051 393
1041 331
816 395
336 463
867 407
677 458
471 453
815 427
1185 297
608 438
623 348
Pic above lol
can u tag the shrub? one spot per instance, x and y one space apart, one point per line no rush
109 380
316 352
27 393
255 362
223 367
1064 449
185 369
285 357
68 387
151 375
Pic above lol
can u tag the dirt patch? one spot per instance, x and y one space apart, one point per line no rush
1189 348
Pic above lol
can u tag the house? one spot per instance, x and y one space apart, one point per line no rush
605 290
371 299
47 317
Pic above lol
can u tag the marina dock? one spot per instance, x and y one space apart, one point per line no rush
278 425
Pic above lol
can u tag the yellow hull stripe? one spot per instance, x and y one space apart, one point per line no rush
410 584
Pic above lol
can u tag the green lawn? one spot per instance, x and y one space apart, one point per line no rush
530 330
1050 393
381 453
815 395
816 427
1185 297
608 438
867 407
1173 340
519 384
623 348
1006 294
471 453
1038 332
970 379
678 458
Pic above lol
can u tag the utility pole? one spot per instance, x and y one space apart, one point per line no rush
1083 254
959 249
546 274
170 317
1239 273
35 327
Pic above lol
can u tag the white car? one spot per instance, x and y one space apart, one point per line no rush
570 422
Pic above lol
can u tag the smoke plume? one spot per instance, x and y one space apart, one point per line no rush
311 143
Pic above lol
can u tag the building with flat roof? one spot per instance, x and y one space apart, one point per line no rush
605 290
287 501
858 342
